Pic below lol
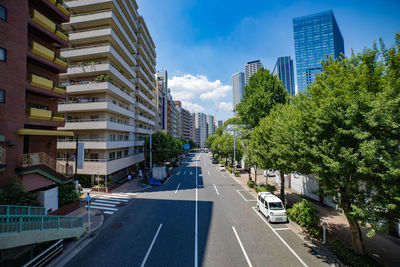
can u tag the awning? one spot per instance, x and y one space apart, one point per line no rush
44 132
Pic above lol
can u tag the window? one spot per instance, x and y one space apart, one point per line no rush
2 96
3 54
3 13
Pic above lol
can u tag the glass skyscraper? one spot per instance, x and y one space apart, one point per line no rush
237 87
315 36
284 70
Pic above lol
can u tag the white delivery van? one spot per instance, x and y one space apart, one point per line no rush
272 207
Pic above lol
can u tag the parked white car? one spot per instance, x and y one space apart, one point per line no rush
221 168
272 207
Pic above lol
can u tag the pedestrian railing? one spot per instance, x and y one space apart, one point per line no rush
21 210
20 223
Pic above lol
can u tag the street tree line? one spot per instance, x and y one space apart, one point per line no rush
345 129
165 147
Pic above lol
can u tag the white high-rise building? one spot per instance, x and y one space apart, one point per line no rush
210 125
110 83
237 88
250 68
200 124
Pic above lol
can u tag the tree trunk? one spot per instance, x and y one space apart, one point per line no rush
249 173
355 229
255 175
282 186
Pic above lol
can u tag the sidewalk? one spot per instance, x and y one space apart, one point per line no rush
382 246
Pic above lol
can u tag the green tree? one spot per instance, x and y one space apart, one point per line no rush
350 125
260 95
274 141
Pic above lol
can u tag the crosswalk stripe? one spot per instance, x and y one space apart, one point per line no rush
102 208
103 204
108 212
107 201
117 199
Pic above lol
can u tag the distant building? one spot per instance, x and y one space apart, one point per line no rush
220 123
200 123
250 68
315 37
284 70
184 123
237 88
161 100
210 125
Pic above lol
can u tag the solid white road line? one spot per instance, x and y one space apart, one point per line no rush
184 172
245 199
280 229
273 230
151 246
241 246
216 189
208 173
177 188
103 204
196 261
102 208
107 201
191 173
108 212
115 198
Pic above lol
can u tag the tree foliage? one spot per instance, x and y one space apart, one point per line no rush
165 147
263 92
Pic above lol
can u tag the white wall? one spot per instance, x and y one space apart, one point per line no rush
49 199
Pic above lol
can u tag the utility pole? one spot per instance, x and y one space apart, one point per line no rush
234 150
76 160
151 162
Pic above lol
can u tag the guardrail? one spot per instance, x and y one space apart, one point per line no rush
21 210
47 255
21 223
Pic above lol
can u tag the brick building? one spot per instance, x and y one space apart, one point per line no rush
30 43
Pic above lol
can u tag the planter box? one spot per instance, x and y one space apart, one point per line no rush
66 209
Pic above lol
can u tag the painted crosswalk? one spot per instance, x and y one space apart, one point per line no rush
108 203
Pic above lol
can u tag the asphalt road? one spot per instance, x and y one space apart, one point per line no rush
200 217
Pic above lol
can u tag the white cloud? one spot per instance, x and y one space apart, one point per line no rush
188 87
225 106
193 107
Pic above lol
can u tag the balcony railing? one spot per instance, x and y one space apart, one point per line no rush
39 114
41 158
104 159
94 81
41 82
99 120
92 100
43 20
58 116
92 140
42 51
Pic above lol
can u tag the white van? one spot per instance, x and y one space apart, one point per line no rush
272 207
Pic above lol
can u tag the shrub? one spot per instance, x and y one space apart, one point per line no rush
306 216
14 194
260 189
270 188
229 169
250 184
348 256
67 194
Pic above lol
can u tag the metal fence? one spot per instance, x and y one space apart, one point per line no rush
21 210
20 223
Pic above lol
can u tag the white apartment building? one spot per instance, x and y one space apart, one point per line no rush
237 88
250 68
201 131
110 86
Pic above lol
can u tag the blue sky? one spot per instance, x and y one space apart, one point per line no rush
201 43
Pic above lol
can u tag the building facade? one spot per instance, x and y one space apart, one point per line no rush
210 125
201 130
220 123
250 68
30 64
284 71
110 83
315 37
184 122
161 100
237 88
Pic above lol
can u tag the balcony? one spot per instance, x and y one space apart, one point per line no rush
62 35
144 108
101 86
42 159
147 99
63 8
89 105
60 90
43 21
96 124
142 130
39 114
107 166
144 119
58 116
60 61
95 144
42 51
146 87
41 82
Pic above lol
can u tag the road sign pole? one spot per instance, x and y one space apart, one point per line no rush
234 150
